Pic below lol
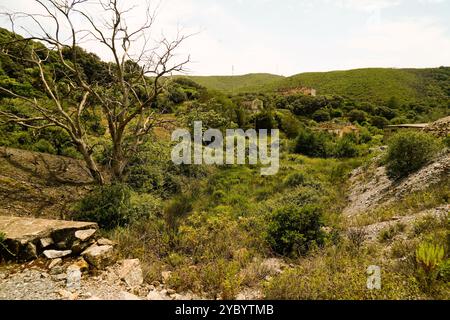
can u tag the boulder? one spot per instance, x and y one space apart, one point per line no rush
130 271
98 256
53 254
84 235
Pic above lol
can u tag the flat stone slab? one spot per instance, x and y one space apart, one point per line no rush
27 238
29 229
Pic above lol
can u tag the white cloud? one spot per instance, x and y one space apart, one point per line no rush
402 43
366 5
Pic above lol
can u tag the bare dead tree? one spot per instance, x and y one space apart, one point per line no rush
136 75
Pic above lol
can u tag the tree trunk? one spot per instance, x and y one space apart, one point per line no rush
118 161
91 165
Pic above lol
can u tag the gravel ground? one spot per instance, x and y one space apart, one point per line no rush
35 282
30 284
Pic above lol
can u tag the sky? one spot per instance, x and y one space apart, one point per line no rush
292 36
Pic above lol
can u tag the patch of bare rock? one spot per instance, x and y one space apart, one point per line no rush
371 187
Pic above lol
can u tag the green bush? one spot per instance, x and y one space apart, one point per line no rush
313 144
288 123
295 179
379 122
109 206
293 230
44 146
408 151
447 141
179 207
444 271
345 148
429 258
321 115
357 116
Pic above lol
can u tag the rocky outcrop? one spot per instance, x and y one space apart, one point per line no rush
28 239
370 187
440 128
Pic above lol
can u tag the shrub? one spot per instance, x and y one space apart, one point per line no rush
428 258
389 233
313 144
109 206
176 209
294 230
357 116
379 122
357 236
408 151
345 148
321 115
447 141
336 113
288 123
44 146
295 179
70 152
444 271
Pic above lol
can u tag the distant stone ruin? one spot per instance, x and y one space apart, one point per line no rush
439 128
338 129
299 90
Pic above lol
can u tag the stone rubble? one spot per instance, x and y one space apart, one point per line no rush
98 256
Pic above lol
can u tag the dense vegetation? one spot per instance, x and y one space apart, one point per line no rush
236 84
213 227
418 87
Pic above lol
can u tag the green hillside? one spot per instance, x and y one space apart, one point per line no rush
245 83
373 84
376 84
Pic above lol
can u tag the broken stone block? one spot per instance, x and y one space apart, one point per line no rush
29 252
105 242
73 279
54 263
79 246
98 256
53 254
84 235
131 272
62 245
46 242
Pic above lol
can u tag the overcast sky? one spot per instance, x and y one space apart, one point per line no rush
292 36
